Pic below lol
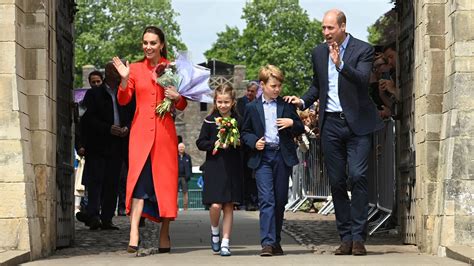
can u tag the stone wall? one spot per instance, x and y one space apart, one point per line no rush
444 74
27 126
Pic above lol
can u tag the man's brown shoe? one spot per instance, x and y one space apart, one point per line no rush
267 251
277 250
358 248
344 249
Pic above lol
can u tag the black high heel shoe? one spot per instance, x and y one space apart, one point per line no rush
165 250
134 249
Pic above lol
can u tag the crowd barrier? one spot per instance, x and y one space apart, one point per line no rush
194 199
310 180
383 184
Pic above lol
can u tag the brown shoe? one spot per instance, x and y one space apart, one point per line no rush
267 251
344 249
358 248
277 250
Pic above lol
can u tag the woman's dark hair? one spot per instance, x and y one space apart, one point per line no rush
161 35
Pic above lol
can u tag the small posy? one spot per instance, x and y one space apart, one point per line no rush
227 133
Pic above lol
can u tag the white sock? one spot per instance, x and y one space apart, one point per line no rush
215 231
225 242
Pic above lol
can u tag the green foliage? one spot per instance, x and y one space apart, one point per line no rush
110 28
226 48
383 31
278 32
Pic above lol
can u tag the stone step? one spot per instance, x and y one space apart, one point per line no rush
461 253
13 257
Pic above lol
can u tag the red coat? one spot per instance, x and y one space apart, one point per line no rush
154 136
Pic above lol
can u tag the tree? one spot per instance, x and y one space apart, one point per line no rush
278 32
383 31
226 47
108 28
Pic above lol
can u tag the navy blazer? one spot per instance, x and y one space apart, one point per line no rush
96 123
253 129
360 111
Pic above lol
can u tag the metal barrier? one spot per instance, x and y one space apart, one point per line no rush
294 193
372 178
310 179
194 199
311 175
384 172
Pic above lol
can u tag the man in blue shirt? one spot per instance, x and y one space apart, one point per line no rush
348 117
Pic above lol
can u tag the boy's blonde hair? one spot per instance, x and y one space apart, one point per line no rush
268 71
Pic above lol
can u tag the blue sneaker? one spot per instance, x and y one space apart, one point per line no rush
216 246
225 251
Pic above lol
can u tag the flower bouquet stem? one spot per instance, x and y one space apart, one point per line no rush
164 107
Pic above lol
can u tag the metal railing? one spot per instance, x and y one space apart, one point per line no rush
383 179
194 199
310 180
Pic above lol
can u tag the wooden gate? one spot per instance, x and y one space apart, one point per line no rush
64 147
406 136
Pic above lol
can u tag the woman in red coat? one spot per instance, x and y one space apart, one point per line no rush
152 182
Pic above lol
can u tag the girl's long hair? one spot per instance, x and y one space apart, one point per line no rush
225 88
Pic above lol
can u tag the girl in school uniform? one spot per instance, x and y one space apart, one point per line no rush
223 174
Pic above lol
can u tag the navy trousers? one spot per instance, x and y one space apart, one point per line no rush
272 176
345 156
102 186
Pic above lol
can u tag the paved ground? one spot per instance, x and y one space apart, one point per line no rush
190 245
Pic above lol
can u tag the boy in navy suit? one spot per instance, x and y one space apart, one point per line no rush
270 125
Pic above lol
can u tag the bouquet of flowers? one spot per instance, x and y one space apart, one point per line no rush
227 133
190 80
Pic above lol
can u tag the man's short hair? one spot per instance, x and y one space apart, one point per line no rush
96 73
252 83
341 18
270 71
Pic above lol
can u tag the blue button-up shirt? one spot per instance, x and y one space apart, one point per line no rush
333 104
270 113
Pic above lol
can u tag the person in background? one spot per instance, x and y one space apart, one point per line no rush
250 186
95 80
185 169
104 136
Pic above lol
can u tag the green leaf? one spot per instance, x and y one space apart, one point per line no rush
108 28
278 32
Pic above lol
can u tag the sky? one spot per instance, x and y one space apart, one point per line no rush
201 20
